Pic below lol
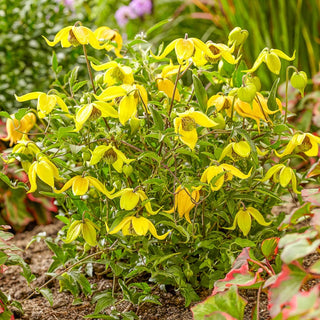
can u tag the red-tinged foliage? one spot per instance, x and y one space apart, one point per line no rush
284 287
240 274
269 248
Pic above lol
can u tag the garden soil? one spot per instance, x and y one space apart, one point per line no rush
39 257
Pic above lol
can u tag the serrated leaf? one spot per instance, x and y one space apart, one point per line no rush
200 93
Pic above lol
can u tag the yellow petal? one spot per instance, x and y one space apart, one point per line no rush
73 231
62 34
244 221
104 66
202 120
272 171
227 151
129 200
67 185
140 225
121 225
273 62
106 109
127 108
28 96
46 103
45 173
80 186
98 154
153 231
257 62
236 172
89 232
167 86
32 177
184 49
189 138
83 115
294 184
166 51
285 176
111 93
242 148
282 55
99 186
258 216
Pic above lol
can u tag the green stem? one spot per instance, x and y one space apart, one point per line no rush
287 85
89 68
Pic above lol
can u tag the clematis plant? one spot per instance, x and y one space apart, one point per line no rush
150 160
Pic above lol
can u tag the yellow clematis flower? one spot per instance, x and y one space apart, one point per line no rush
221 102
86 227
138 227
224 172
27 148
94 111
111 155
46 102
220 50
302 142
115 73
271 57
185 126
130 199
184 201
282 174
130 95
235 149
185 49
45 170
105 35
16 129
80 186
257 110
74 36
243 220
167 86
171 69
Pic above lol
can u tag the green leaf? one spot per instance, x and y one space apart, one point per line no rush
238 74
73 76
3 258
127 294
229 302
272 103
104 300
244 243
79 85
54 62
5 114
57 250
47 294
200 93
157 26
82 281
21 113
158 121
269 247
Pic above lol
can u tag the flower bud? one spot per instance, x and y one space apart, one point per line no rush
219 119
256 81
99 78
134 124
299 81
237 36
127 170
273 62
86 155
247 93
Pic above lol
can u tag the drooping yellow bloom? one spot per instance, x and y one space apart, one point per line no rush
130 95
302 142
137 226
111 155
46 102
105 36
220 50
74 36
86 227
235 149
185 49
221 102
94 111
184 201
185 126
271 57
257 110
115 74
27 148
167 86
171 69
17 128
282 174
243 220
221 173
80 186
45 170
130 199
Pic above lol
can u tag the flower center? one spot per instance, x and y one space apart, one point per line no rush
95 113
304 146
188 124
72 39
111 156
